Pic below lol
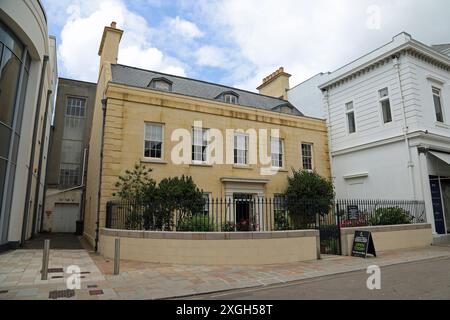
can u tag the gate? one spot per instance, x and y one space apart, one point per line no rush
330 233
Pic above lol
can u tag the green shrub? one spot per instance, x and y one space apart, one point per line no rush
281 221
133 221
197 223
228 226
307 195
390 216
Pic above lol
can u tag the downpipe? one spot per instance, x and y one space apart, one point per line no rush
97 223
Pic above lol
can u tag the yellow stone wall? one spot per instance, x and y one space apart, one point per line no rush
128 109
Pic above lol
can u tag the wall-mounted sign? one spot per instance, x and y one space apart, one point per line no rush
363 244
352 212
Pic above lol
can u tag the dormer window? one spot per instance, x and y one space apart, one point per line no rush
162 84
229 97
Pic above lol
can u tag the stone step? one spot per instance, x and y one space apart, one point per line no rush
441 239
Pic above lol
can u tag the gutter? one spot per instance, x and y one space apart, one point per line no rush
97 223
41 158
44 196
33 150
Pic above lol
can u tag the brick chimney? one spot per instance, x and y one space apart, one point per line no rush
109 46
276 84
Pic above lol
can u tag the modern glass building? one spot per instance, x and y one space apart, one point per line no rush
28 76
14 70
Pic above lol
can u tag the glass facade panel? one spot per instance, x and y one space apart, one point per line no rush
9 78
11 52
5 137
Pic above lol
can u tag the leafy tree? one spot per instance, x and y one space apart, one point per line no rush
307 195
181 194
135 185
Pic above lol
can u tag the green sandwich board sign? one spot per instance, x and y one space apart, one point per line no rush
363 244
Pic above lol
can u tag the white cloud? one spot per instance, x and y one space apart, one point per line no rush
81 35
185 28
307 37
212 56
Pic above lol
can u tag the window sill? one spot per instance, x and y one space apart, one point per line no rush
242 166
149 160
276 169
200 164
442 125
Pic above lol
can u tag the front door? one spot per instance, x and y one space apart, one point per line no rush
242 205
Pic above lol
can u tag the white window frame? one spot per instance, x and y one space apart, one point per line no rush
303 156
347 112
439 95
230 98
167 89
83 107
162 138
281 146
381 100
205 132
246 143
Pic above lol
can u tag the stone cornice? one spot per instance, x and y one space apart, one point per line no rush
126 93
413 48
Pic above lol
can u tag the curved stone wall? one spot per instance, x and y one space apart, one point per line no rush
213 248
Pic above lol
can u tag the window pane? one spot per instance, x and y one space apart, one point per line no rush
438 107
307 156
75 107
2 179
5 138
22 101
73 128
71 151
349 105
386 106
277 152
9 40
383 92
9 78
69 175
351 122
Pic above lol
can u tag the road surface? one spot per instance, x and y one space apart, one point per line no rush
429 279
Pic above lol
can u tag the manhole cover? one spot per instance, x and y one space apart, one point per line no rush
95 292
54 270
68 293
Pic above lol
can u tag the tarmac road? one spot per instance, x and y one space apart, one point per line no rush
423 280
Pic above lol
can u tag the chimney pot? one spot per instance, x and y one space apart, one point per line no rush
113 24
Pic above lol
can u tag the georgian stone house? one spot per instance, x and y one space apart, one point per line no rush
139 114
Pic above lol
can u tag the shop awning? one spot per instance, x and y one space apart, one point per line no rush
442 156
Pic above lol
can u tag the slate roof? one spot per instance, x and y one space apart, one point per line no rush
442 48
136 77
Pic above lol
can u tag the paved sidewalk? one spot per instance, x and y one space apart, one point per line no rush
19 274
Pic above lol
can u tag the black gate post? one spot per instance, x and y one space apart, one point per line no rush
339 228
108 223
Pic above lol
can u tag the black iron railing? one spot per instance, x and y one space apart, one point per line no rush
262 214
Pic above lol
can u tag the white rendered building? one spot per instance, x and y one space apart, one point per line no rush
388 114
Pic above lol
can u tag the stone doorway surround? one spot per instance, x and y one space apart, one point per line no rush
254 187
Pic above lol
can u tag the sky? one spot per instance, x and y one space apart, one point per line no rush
238 42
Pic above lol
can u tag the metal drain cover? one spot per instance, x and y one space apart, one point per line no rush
68 293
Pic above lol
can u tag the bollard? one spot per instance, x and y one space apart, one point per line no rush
117 257
45 257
